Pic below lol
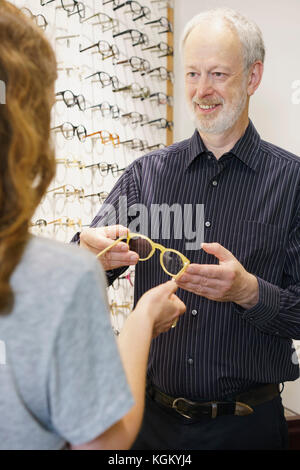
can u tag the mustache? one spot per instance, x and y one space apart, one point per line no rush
207 103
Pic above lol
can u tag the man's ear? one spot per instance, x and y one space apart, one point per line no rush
254 77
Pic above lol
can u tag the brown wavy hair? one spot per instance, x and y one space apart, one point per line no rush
27 163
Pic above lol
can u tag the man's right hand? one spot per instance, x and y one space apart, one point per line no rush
96 239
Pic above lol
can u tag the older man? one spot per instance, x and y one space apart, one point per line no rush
213 381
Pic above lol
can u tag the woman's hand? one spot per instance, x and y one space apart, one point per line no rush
162 306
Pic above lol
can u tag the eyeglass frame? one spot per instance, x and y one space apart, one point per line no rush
168 48
75 97
141 13
155 246
114 21
167 124
143 36
160 23
114 53
111 137
74 130
110 167
34 18
114 109
111 77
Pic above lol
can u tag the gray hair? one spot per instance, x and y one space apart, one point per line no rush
248 32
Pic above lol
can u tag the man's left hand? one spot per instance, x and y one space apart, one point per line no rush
226 282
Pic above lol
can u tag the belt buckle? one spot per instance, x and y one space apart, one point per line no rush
179 411
242 409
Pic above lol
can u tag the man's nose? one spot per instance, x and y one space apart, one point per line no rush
204 87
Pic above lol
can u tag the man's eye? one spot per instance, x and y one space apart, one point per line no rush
218 74
191 74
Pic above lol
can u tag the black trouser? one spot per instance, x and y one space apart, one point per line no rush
164 429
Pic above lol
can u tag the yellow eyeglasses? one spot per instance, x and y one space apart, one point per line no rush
172 261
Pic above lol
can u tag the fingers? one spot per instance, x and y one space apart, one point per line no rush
114 259
100 237
212 271
218 251
196 281
169 287
115 231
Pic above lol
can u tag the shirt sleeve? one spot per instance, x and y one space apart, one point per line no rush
278 309
87 387
115 210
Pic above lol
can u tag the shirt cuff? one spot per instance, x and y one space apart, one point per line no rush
76 238
267 306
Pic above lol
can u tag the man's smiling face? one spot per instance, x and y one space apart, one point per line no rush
215 79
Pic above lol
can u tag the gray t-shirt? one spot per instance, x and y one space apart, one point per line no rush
61 377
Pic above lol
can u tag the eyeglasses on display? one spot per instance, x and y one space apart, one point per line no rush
101 196
135 118
162 73
105 49
105 79
137 91
136 36
72 100
138 11
72 7
162 22
69 131
106 137
39 19
161 47
137 64
108 109
105 21
104 168
160 123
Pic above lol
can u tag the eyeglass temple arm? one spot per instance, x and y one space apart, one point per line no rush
93 74
87 48
119 6
150 47
110 246
120 34
94 133
152 22
95 106
122 89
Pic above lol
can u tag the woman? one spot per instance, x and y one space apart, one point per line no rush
62 380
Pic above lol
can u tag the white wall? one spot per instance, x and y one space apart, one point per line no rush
275 108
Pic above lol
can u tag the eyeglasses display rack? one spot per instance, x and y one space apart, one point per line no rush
114 103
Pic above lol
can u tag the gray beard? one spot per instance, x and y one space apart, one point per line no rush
221 123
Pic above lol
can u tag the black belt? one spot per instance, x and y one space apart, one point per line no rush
241 405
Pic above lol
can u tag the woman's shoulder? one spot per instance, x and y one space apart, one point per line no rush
53 266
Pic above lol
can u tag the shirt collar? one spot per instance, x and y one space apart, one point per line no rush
246 148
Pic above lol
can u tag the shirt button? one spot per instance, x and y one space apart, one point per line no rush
209 157
215 183
190 361
207 223
194 312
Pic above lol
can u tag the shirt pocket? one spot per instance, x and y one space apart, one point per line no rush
259 247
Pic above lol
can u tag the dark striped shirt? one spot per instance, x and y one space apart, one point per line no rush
251 198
